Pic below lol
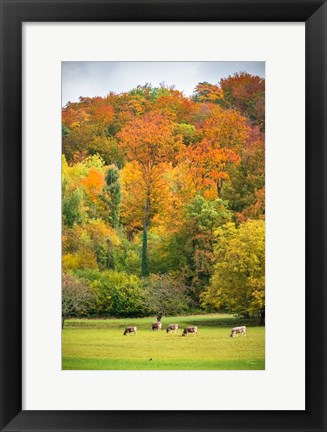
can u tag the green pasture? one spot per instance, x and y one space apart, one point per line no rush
96 344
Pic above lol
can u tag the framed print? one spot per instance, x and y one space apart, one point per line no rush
95 352
138 141
161 176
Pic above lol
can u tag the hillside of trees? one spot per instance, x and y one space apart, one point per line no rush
163 201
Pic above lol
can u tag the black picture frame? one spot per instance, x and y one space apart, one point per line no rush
13 14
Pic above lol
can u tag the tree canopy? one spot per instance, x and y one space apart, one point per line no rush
163 199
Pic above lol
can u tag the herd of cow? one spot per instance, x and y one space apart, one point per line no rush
192 329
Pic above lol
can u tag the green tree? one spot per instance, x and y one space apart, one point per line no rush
187 131
72 207
113 190
238 281
64 131
116 293
203 218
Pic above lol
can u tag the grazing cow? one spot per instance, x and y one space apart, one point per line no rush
172 327
156 326
131 329
188 330
236 330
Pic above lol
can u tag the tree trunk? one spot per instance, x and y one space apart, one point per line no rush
109 255
219 186
262 317
145 234
145 250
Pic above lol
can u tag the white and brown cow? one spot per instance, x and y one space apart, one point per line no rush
156 326
172 327
192 329
129 330
238 330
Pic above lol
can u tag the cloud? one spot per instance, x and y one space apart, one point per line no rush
91 79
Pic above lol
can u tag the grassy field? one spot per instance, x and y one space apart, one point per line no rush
99 344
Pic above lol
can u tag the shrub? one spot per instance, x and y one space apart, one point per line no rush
165 295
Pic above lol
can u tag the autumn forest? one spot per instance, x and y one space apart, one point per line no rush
163 201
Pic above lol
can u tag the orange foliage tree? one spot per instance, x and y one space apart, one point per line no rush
206 92
93 184
149 141
208 165
246 93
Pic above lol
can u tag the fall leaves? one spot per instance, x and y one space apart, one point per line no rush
151 182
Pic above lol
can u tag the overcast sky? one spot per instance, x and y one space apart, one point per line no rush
90 79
